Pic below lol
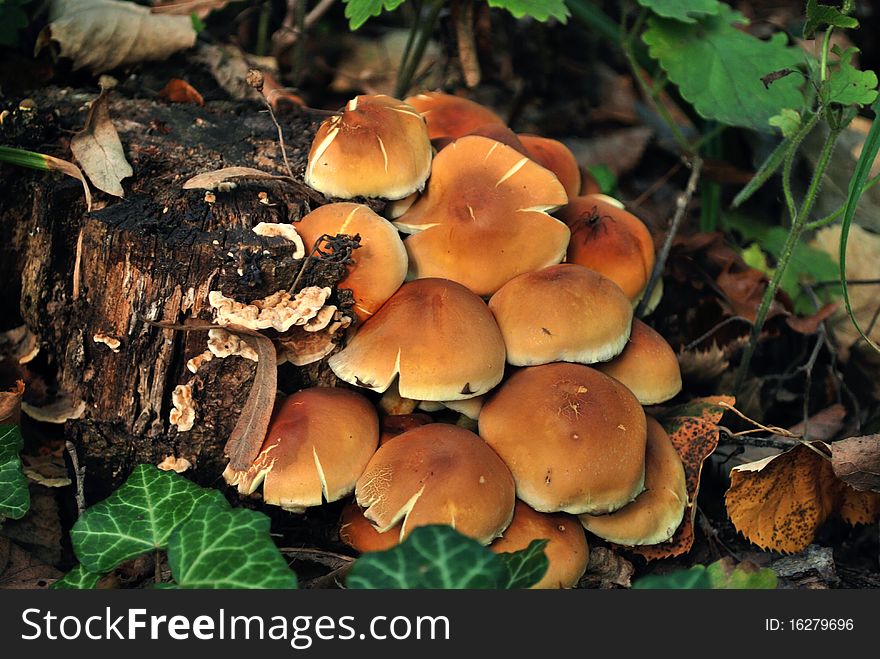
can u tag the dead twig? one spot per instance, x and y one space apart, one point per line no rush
79 474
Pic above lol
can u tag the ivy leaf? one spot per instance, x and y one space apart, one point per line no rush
78 578
227 548
720 575
718 68
14 496
526 567
139 517
689 579
687 11
788 121
431 557
818 15
847 85
541 10
359 11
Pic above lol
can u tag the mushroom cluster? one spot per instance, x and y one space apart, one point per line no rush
498 286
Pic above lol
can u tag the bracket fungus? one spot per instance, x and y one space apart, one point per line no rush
438 474
647 366
573 438
318 443
608 239
377 147
563 312
483 219
440 339
566 550
451 116
379 263
655 514
279 311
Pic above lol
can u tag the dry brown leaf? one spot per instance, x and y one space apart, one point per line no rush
606 569
99 151
201 8
856 461
104 34
10 404
780 502
247 436
180 91
210 180
693 429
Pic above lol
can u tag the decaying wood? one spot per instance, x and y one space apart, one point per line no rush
152 256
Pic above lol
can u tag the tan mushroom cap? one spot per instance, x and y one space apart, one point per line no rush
357 532
483 217
318 444
377 147
566 550
440 338
556 157
562 313
611 241
647 366
438 474
573 438
451 116
497 132
380 262
656 513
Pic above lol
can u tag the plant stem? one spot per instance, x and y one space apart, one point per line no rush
826 46
833 217
793 146
262 46
791 242
405 75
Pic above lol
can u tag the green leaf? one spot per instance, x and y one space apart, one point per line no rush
78 578
725 576
526 567
431 557
12 19
847 85
690 579
14 496
604 177
856 187
718 68
683 10
139 517
541 10
232 548
359 11
788 121
819 15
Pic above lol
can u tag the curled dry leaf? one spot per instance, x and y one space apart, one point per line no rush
210 180
780 502
10 404
103 34
99 151
693 429
856 461
201 8
607 569
180 91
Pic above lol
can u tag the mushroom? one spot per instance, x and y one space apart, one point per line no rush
440 338
494 131
562 313
451 116
357 532
647 366
556 157
470 407
396 208
377 147
573 438
483 217
318 443
380 261
655 514
611 241
566 550
437 474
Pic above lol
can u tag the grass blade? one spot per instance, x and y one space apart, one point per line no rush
41 161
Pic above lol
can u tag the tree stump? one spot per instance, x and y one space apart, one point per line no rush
152 256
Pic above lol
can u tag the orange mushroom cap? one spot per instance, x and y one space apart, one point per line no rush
377 147
380 262
647 366
451 116
439 337
497 132
556 157
357 532
483 217
611 241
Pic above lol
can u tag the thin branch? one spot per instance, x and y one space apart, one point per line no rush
79 474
